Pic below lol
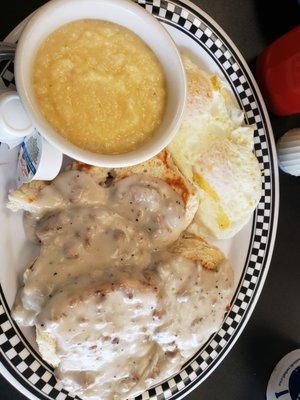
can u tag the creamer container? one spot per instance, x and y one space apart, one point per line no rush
37 159
284 383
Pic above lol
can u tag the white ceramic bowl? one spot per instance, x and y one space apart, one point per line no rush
123 12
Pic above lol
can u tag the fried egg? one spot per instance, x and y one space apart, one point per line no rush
214 150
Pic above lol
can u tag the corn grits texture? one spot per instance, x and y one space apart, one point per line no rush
99 86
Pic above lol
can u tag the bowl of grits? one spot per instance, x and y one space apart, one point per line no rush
96 84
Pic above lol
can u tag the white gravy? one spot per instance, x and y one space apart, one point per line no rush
122 311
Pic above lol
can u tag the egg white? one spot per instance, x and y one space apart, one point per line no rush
214 150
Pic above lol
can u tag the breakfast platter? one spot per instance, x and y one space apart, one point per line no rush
204 46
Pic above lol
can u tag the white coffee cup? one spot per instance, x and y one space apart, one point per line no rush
123 12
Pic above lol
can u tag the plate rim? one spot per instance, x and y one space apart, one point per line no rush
275 197
265 114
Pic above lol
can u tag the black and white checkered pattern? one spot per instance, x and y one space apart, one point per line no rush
7 74
21 358
14 346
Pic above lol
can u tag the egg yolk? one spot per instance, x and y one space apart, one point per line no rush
222 219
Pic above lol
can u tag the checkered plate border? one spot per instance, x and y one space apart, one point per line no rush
26 366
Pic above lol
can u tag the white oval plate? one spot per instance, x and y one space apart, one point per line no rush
250 251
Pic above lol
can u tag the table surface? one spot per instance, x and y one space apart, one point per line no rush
274 328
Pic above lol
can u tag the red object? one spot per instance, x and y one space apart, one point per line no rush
278 73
